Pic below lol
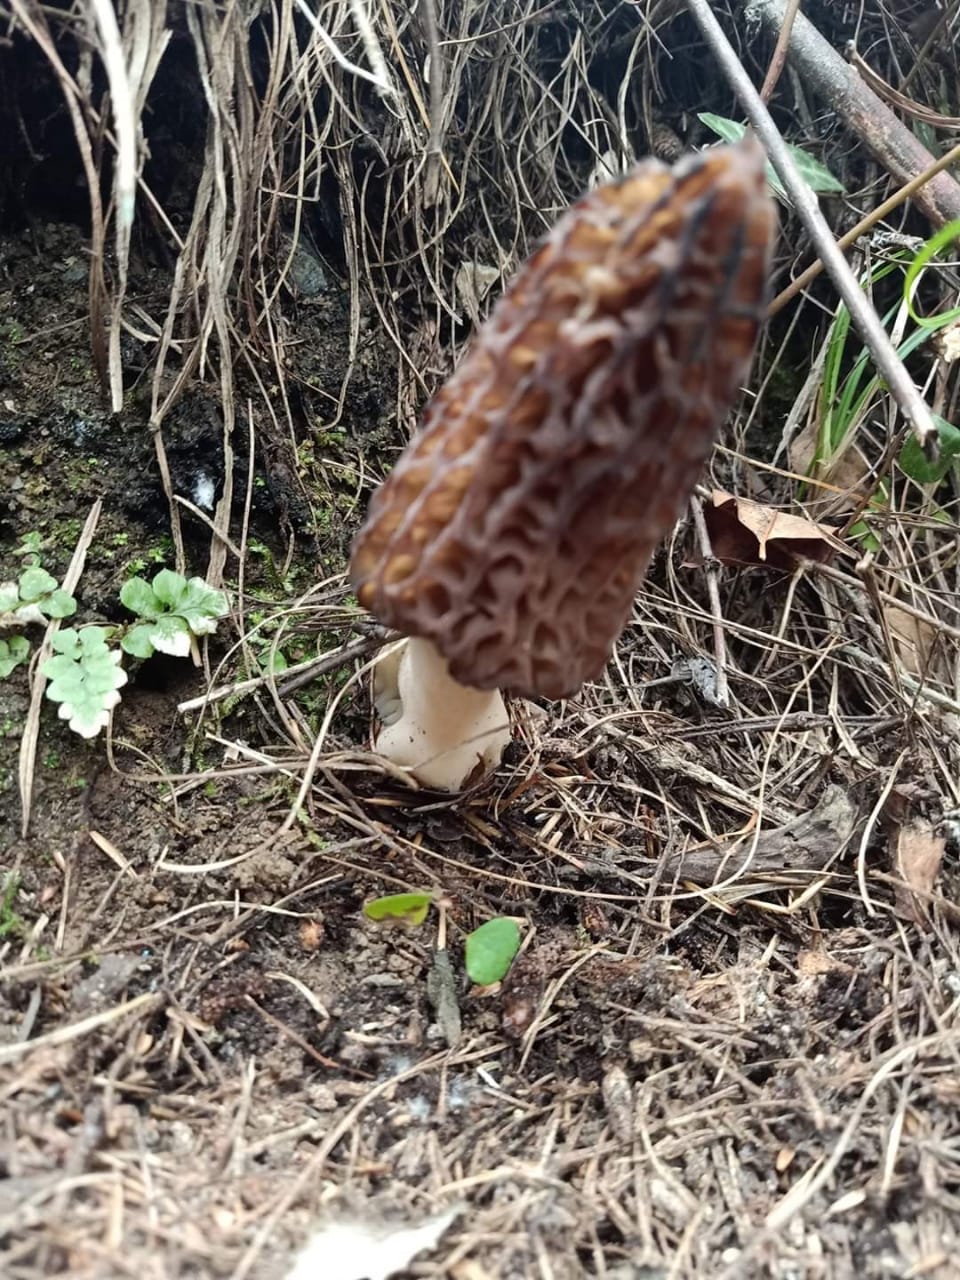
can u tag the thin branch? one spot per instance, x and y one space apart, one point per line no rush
876 215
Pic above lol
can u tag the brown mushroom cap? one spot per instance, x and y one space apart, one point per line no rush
514 530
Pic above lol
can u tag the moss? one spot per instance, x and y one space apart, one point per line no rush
11 924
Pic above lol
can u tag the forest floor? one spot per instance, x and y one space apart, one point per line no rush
730 1046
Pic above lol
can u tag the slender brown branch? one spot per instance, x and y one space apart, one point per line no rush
864 225
780 52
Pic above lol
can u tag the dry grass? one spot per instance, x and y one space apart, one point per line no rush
730 1045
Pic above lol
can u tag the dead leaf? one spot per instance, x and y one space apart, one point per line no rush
846 470
806 843
743 532
947 342
913 639
473 281
815 963
917 855
358 1250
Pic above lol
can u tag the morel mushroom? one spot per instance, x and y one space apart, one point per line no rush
514 531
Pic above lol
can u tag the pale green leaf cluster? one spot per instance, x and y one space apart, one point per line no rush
85 673
85 678
34 597
174 609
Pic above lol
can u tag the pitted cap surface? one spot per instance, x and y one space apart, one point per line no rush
516 527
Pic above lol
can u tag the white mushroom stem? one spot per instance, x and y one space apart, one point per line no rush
445 733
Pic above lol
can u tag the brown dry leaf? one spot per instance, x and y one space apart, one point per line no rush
913 639
947 342
815 963
743 532
847 469
917 855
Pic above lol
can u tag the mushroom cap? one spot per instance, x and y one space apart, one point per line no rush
516 527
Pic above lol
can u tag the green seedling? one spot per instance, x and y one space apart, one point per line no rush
34 597
85 678
12 653
175 610
491 949
817 176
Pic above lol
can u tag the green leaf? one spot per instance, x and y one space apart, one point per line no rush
410 908
137 595
67 643
59 604
137 641
865 536
490 950
9 597
947 235
169 588
816 175
85 678
915 464
728 130
201 606
179 606
12 653
274 662
31 544
35 583
170 634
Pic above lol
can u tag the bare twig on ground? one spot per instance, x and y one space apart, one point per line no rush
31 730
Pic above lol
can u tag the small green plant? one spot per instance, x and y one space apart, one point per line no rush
85 678
34 597
31 544
12 653
85 672
817 176
489 950
174 610
851 388
11 925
